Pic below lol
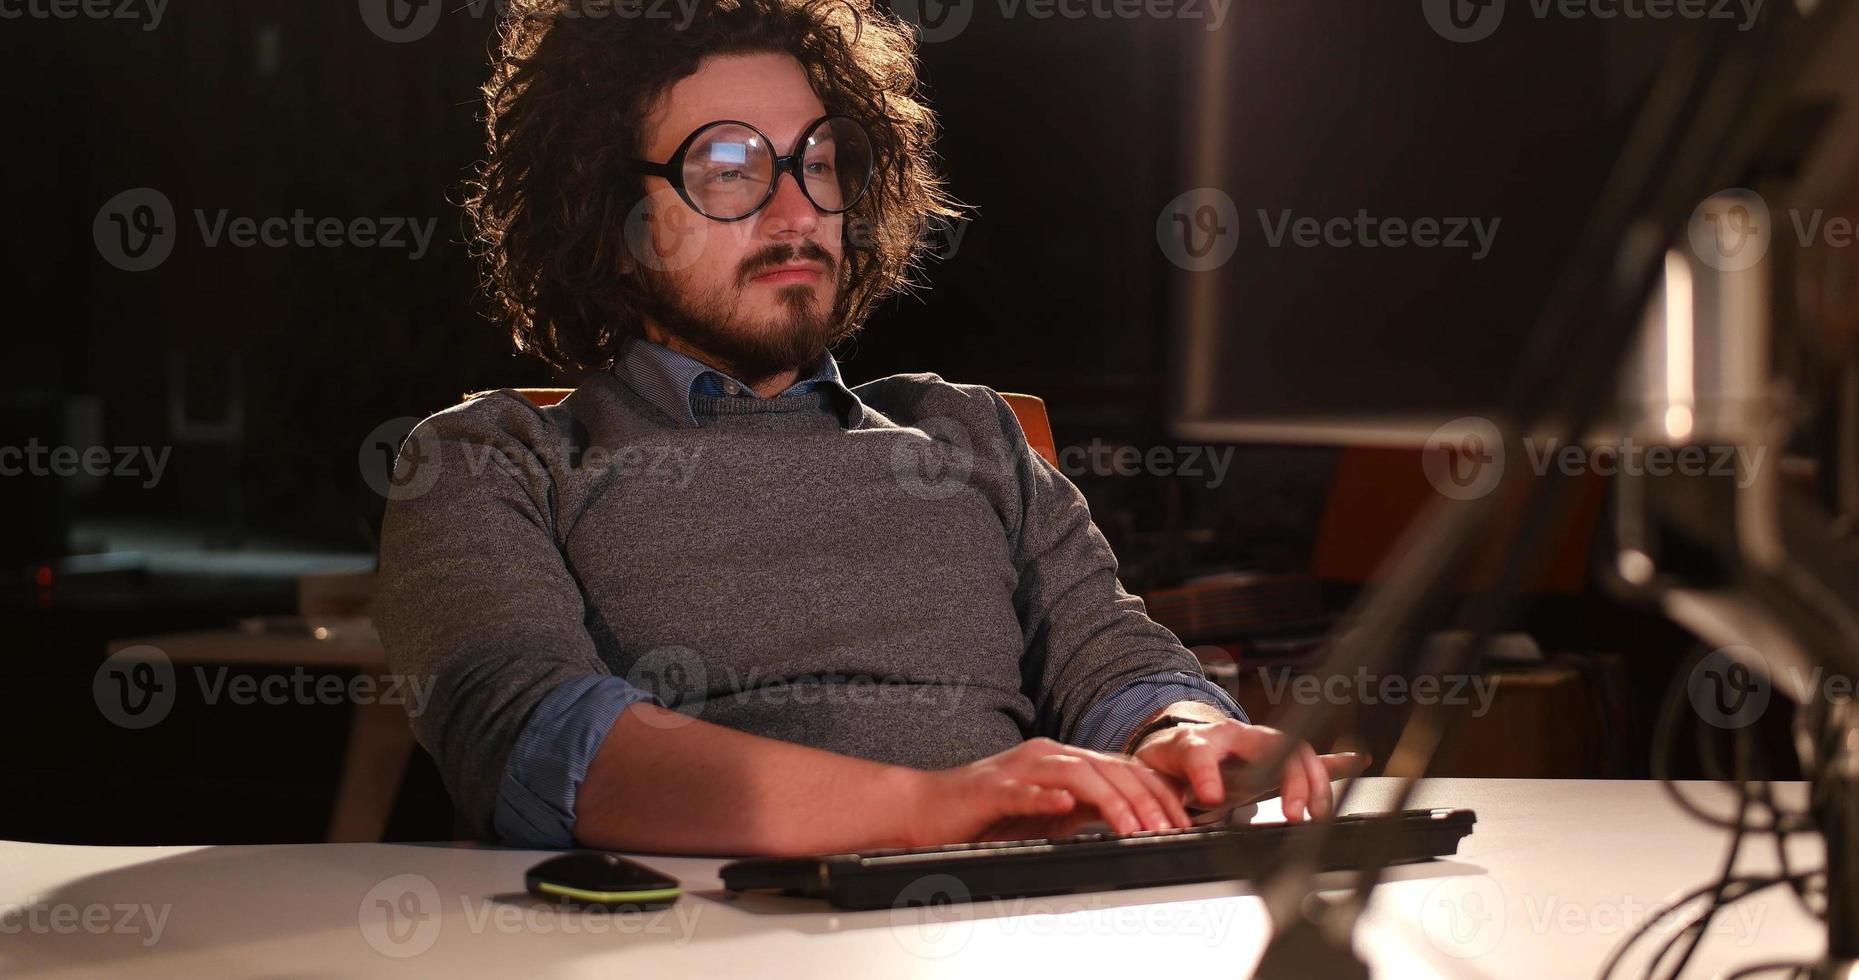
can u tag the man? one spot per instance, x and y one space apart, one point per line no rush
716 601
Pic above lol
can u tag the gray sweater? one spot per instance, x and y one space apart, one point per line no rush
897 577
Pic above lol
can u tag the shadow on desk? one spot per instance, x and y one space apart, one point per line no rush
806 917
292 909
273 910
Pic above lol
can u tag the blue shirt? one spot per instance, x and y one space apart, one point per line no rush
536 800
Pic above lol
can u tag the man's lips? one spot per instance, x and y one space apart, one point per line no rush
783 275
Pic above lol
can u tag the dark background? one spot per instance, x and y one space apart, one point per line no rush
1065 136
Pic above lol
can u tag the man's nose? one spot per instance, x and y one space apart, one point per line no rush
789 214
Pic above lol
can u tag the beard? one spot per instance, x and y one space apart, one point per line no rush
750 349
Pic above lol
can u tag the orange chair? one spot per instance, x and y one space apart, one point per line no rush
1029 409
1377 492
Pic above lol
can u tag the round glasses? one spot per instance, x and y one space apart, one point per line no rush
726 170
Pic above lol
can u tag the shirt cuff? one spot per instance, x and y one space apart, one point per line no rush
1110 721
535 802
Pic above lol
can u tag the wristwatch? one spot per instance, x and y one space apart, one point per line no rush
1154 725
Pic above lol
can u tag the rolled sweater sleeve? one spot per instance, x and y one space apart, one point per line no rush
535 803
1086 637
1109 723
476 598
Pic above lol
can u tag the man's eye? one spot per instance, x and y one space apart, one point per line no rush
723 176
821 167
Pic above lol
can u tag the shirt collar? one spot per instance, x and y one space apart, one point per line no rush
671 380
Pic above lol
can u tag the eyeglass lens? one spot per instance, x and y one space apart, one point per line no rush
729 169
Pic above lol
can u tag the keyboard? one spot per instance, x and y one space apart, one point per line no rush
888 878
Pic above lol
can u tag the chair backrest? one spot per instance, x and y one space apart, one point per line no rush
1377 492
1029 409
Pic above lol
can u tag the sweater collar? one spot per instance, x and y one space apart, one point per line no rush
673 381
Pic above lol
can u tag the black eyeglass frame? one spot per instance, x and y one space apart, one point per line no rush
672 170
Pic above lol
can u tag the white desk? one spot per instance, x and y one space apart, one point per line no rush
1556 872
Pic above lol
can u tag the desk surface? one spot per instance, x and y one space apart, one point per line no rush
1555 874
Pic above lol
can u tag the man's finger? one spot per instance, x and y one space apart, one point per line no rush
1319 777
1168 794
1141 798
1021 799
1200 761
1294 793
1077 774
1345 765
1257 744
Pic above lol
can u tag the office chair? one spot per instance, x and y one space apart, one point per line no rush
1377 492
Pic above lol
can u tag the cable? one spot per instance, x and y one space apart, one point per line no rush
1695 133
1794 970
1750 772
1784 822
1747 886
1740 771
1615 267
1763 793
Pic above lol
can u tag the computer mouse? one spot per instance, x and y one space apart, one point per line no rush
600 879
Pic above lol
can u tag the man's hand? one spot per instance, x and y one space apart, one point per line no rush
1040 788
1195 754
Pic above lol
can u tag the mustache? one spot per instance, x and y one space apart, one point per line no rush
778 255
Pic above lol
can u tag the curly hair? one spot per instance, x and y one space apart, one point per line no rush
572 84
